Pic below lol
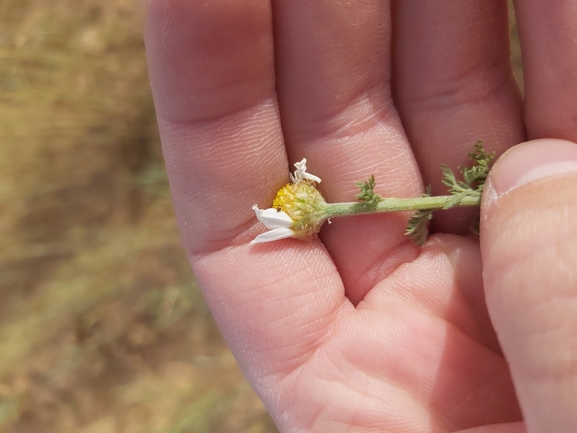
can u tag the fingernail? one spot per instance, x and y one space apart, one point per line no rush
534 160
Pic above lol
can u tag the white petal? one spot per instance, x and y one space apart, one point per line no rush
301 166
272 218
273 235
301 173
312 177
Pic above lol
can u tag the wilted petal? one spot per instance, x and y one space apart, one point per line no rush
312 177
272 218
301 173
273 235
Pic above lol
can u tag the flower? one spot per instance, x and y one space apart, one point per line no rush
297 211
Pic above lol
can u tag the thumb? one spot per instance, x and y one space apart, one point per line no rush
529 250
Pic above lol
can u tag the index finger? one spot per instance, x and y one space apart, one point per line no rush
212 77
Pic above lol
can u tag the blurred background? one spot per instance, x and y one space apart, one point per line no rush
102 327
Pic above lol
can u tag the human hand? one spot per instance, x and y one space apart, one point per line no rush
361 330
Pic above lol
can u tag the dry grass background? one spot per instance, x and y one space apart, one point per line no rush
102 328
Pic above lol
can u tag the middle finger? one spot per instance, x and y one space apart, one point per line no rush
333 83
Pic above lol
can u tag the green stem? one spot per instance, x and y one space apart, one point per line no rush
398 204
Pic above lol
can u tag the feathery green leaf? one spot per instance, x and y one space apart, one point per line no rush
418 225
368 194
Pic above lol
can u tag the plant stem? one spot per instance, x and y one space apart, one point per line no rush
398 204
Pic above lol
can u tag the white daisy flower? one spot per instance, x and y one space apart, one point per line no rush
297 211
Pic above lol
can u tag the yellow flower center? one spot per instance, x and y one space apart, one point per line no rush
304 204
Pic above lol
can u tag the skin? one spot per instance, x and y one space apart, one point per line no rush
360 330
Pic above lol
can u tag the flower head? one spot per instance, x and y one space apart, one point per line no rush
297 211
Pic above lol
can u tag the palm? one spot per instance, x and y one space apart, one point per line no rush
415 355
360 330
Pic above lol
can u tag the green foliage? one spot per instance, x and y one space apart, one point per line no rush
368 194
471 186
473 177
478 172
417 226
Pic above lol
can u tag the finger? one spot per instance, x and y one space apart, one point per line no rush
530 275
547 33
453 86
212 73
333 69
